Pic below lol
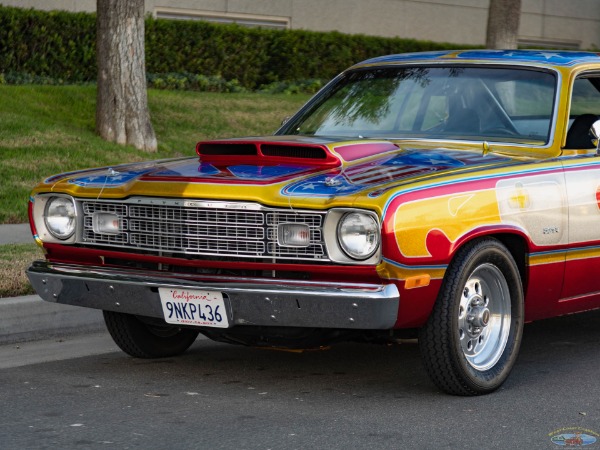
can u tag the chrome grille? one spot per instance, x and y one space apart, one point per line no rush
241 230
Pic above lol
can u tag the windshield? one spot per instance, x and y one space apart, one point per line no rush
473 103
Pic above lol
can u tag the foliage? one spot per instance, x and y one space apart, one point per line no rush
293 87
48 44
58 47
193 82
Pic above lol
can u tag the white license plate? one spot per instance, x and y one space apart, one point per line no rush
193 307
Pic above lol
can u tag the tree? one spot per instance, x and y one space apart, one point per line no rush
503 24
122 113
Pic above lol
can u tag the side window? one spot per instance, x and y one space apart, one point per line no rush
586 97
585 110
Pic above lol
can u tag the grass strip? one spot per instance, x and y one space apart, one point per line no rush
14 259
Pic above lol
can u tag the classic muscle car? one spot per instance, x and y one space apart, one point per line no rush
449 196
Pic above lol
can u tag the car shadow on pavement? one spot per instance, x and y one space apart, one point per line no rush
551 350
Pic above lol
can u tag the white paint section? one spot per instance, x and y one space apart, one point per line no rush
538 205
584 212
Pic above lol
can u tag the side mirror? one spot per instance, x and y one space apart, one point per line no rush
595 132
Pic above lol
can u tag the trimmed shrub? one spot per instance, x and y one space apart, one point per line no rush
48 44
59 47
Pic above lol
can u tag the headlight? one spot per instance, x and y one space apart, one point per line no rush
358 235
59 217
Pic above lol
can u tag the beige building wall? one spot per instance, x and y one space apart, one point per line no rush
544 23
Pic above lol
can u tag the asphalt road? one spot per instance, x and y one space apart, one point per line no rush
83 393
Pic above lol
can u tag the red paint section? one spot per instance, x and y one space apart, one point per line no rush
543 287
31 221
416 304
579 304
261 152
438 245
86 256
355 152
581 277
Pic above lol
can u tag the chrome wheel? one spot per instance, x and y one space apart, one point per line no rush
484 317
471 340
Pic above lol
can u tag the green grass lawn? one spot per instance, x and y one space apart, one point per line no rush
46 130
14 259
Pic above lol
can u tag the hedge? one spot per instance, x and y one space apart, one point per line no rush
60 45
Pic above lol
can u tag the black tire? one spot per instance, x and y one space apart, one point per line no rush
145 338
472 338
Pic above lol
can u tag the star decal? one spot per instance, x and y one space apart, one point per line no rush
549 55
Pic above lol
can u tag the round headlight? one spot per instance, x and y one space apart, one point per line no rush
358 235
60 217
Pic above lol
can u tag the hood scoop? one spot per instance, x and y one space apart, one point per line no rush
266 153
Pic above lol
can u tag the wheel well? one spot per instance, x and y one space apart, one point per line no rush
517 246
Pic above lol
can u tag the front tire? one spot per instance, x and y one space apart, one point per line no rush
472 338
145 338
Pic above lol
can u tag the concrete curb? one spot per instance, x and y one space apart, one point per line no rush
30 318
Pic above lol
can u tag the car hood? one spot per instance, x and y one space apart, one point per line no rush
277 169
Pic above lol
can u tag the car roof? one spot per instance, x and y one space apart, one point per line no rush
538 57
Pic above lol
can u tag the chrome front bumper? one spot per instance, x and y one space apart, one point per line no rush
250 301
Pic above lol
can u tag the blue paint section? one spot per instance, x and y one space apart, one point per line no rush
432 158
206 170
247 172
109 178
323 185
557 58
188 170
144 167
62 176
409 164
234 172
120 175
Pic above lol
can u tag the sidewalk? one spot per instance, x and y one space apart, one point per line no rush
30 318
15 234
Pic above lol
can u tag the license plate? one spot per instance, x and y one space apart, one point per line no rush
193 307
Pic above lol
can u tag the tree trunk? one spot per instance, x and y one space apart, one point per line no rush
122 114
503 24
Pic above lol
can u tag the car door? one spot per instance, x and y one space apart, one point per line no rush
581 288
